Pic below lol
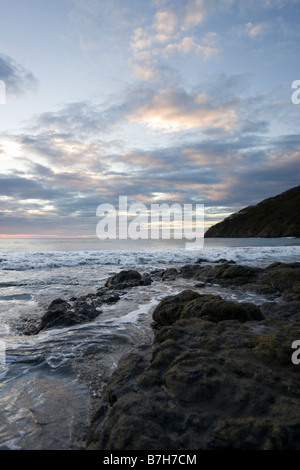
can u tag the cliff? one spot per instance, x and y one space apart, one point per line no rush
277 216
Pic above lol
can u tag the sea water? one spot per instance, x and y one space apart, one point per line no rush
45 397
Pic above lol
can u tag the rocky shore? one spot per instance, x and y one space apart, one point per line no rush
219 374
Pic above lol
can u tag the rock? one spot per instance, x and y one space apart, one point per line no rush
235 275
200 285
223 260
204 385
274 217
170 274
170 308
219 374
126 279
213 308
281 277
157 274
191 270
61 314
106 296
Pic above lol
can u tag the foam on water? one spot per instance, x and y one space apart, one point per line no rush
21 261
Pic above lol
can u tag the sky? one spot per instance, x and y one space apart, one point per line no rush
183 101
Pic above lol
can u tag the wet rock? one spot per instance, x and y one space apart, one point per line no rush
170 308
213 308
156 274
204 385
282 309
197 271
106 296
61 314
236 275
223 260
128 278
219 374
281 277
201 260
200 285
191 270
278 279
170 274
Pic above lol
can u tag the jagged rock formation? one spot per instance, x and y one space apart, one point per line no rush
274 217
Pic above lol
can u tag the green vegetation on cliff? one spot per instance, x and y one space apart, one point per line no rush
277 216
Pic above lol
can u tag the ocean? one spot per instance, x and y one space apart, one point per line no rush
49 381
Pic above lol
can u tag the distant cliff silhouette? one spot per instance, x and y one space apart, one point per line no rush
277 216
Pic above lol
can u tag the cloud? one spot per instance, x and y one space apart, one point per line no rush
153 44
254 30
174 110
17 78
195 12
25 188
77 118
188 45
165 22
230 172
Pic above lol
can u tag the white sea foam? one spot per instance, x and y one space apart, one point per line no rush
21 261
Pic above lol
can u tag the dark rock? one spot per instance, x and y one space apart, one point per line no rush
223 260
235 275
61 314
213 308
282 277
106 296
190 270
170 274
157 273
126 279
197 271
200 285
205 273
205 385
169 309
274 217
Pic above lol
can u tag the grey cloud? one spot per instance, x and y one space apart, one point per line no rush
17 78
21 187
287 142
73 118
82 119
